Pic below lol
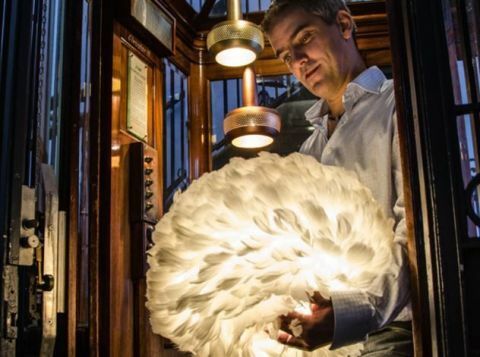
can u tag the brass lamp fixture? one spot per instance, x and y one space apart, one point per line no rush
251 126
235 42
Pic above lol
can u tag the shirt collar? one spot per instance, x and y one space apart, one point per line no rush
316 112
370 80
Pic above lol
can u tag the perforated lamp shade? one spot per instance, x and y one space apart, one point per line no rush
251 126
235 42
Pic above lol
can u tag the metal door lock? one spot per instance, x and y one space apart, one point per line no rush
48 283
30 242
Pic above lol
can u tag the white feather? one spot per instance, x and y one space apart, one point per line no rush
242 244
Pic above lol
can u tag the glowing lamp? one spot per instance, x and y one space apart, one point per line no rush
235 42
251 126
243 244
252 141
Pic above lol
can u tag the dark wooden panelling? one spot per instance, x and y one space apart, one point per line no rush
420 318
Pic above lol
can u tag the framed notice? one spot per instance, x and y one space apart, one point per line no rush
137 97
152 16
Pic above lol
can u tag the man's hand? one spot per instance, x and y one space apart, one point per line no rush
316 329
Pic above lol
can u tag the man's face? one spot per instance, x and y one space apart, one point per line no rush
315 52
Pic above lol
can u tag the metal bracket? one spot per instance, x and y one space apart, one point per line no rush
50 247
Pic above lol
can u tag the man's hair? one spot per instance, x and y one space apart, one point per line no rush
325 9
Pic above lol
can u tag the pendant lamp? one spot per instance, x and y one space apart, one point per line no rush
235 42
251 126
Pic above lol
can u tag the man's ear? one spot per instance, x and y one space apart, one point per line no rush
345 21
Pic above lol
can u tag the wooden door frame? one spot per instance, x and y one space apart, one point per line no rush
100 165
434 191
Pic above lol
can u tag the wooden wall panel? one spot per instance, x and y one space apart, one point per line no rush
129 329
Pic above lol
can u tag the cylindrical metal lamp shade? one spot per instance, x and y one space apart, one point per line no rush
252 126
235 43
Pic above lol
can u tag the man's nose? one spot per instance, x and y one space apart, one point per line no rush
299 57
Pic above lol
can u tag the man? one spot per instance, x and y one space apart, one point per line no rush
355 127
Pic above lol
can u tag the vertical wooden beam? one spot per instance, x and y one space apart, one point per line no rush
72 252
71 109
100 245
421 314
199 122
423 86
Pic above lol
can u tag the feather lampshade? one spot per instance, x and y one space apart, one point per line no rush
242 245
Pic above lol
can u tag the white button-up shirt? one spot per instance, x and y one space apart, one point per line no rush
366 142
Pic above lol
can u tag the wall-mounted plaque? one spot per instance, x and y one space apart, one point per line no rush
156 20
137 97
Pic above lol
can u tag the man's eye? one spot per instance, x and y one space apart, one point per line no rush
287 59
306 37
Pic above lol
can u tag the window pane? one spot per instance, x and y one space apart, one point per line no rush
176 131
177 144
457 52
185 159
196 4
232 94
248 6
470 163
244 6
51 88
216 90
265 4
473 18
253 6
468 146
168 147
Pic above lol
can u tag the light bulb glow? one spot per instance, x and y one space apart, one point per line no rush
252 141
235 57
